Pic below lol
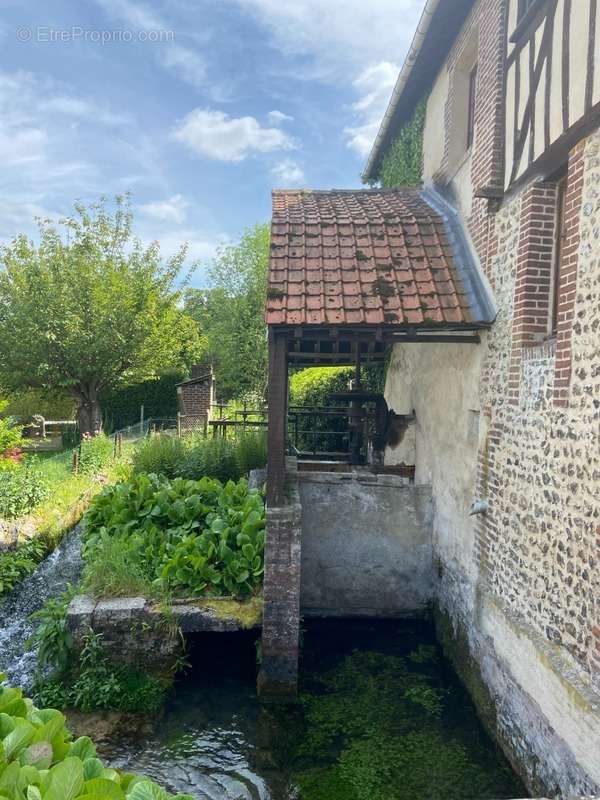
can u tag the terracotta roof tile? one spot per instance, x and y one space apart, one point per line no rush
369 256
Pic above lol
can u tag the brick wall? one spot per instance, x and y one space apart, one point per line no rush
197 398
539 463
568 275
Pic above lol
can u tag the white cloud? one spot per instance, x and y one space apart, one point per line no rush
287 172
338 36
23 146
135 14
183 62
83 109
374 85
216 135
278 117
173 210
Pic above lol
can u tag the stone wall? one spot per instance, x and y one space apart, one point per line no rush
366 545
516 422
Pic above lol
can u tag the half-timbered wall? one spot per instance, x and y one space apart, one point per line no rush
552 81
520 426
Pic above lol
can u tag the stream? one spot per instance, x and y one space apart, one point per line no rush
352 737
382 715
61 567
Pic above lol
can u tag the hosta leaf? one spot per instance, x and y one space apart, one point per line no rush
66 780
38 754
146 790
92 768
83 748
18 739
33 793
51 728
7 724
101 787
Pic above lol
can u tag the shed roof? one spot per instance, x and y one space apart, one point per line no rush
371 257
196 379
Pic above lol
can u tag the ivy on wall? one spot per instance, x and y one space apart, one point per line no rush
402 165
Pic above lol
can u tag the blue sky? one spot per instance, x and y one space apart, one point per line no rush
198 107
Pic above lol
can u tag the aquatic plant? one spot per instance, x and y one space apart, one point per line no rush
189 538
376 727
40 761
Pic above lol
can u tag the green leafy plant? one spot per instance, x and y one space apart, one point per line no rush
162 454
52 638
92 683
402 165
181 536
21 490
39 760
214 458
17 564
195 456
95 453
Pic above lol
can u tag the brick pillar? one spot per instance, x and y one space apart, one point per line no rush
277 420
278 676
568 275
533 278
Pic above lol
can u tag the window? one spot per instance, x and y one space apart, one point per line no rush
471 109
559 242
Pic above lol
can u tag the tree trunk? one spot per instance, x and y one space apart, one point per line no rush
89 413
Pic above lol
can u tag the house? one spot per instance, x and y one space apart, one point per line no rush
511 138
483 285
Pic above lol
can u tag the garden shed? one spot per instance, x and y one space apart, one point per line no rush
353 272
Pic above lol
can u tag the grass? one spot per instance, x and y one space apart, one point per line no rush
70 495
69 498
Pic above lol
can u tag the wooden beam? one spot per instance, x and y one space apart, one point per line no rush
278 385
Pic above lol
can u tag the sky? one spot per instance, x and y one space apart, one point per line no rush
199 108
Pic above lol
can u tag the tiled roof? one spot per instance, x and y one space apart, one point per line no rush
374 257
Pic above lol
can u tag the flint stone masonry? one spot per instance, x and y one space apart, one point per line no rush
137 632
366 545
520 585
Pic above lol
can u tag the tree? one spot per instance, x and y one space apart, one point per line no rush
89 307
231 315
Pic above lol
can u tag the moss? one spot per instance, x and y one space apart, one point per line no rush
248 613
456 648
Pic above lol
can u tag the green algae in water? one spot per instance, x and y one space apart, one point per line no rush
381 716
393 725
377 730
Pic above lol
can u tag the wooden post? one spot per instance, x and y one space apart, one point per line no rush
142 420
75 461
205 426
179 424
115 445
277 418
119 444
